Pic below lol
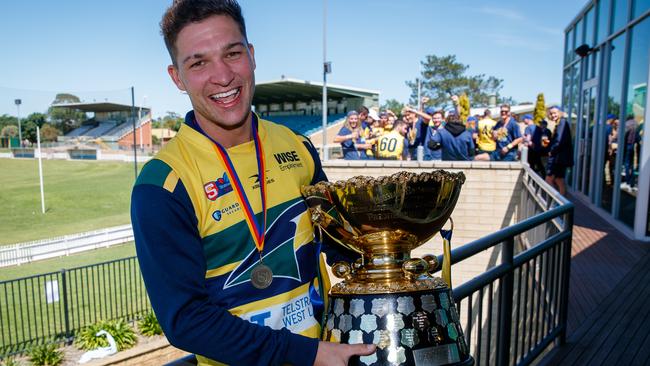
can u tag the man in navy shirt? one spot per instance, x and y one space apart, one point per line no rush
453 140
507 135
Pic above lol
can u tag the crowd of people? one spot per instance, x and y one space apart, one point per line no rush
443 135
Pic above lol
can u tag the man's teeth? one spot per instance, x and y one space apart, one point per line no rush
224 94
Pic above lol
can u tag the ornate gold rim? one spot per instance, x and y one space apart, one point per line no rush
363 181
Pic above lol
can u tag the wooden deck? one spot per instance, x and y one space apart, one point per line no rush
609 296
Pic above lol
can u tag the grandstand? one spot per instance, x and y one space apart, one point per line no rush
110 125
298 105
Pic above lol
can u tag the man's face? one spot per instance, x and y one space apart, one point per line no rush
554 114
363 116
505 113
215 66
437 119
528 121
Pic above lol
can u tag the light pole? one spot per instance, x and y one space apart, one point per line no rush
20 131
327 68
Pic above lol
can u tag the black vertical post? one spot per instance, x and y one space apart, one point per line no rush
507 289
566 272
135 153
66 316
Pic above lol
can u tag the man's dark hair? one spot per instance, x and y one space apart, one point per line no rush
440 112
362 109
505 105
453 118
184 12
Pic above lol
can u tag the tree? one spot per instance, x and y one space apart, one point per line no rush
443 76
7 120
394 105
29 125
540 109
9 131
463 106
172 121
64 118
49 132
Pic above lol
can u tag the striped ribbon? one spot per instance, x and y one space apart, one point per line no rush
255 228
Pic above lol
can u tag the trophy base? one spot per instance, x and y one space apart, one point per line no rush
409 328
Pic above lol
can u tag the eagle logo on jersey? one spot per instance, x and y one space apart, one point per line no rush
283 237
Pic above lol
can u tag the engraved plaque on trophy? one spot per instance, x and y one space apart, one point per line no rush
386 297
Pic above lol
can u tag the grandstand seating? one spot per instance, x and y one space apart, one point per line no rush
101 129
305 125
80 130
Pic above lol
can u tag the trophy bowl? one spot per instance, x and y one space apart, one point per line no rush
386 297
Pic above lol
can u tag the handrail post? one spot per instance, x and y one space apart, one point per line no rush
66 316
505 308
566 264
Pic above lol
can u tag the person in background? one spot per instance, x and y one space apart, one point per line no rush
484 137
391 145
430 152
560 154
350 137
534 149
631 139
507 136
363 116
453 140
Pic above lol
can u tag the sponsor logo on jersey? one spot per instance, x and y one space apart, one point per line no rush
228 210
218 188
256 178
288 160
297 315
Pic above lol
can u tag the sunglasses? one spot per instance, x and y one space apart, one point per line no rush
505 112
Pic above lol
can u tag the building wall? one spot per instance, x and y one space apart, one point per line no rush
606 86
488 202
127 140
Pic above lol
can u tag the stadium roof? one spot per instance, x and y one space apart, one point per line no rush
288 89
98 107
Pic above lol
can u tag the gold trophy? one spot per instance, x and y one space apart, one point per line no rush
386 297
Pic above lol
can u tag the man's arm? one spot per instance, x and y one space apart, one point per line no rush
173 266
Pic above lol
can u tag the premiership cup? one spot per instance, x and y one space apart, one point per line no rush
386 297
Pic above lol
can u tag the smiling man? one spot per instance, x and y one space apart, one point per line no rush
223 236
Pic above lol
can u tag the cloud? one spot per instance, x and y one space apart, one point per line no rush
513 15
502 12
512 41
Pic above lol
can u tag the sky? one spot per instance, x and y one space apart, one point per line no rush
98 50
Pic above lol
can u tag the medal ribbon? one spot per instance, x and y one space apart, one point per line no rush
256 230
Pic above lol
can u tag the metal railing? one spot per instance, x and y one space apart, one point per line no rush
513 311
53 307
49 248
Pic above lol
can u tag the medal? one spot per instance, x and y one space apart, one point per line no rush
261 276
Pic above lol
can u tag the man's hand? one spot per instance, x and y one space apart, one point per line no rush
336 354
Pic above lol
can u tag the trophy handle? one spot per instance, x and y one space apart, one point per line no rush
446 249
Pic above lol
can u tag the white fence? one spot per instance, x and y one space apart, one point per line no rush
65 245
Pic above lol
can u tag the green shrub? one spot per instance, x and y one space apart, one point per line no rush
123 334
149 325
45 355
